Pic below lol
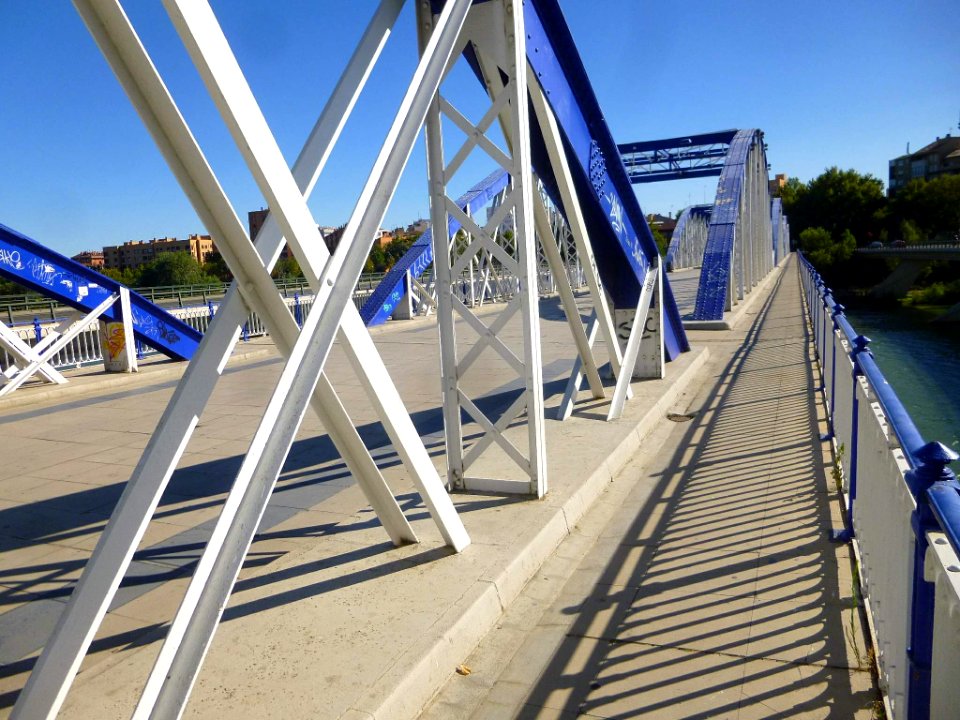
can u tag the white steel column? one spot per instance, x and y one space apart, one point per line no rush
496 31
633 342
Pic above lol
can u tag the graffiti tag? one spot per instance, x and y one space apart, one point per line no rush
11 258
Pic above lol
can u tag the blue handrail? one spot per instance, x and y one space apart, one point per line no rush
933 485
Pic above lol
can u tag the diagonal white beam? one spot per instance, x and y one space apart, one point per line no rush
47 686
205 41
565 409
487 337
494 432
633 343
61 342
199 614
15 345
552 252
571 205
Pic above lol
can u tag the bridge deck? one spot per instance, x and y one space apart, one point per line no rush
710 590
329 620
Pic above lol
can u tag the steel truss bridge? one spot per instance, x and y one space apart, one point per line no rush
559 201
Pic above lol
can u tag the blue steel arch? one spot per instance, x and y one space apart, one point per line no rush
387 295
715 292
677 255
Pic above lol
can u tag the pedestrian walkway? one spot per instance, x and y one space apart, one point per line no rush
701 584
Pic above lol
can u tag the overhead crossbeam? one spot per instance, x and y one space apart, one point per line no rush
679 158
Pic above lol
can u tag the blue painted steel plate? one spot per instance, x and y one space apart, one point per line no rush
27 262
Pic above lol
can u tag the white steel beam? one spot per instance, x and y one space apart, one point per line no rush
565 408
633 343
571 204
569 302
208 47
66 337
49 683
196 621
23 353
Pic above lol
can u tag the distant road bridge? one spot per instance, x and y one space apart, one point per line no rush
924 253
913 260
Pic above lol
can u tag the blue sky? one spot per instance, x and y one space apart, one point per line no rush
838 83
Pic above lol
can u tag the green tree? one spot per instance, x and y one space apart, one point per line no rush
662 243
911 234
791 191
377 258
9 287
822 250
128 276
837 200
287 268
217 267
933 206
176 268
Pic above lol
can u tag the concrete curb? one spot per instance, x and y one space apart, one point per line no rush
405 689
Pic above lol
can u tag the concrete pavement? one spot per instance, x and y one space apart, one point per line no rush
701 583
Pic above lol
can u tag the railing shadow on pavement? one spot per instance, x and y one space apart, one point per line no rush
690 609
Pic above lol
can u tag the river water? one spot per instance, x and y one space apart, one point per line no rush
921 360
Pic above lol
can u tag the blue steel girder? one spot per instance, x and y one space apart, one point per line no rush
387 295
715 291
691 156
622 241
28 263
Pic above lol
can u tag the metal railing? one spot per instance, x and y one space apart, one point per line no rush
902 512
182 296
86 349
